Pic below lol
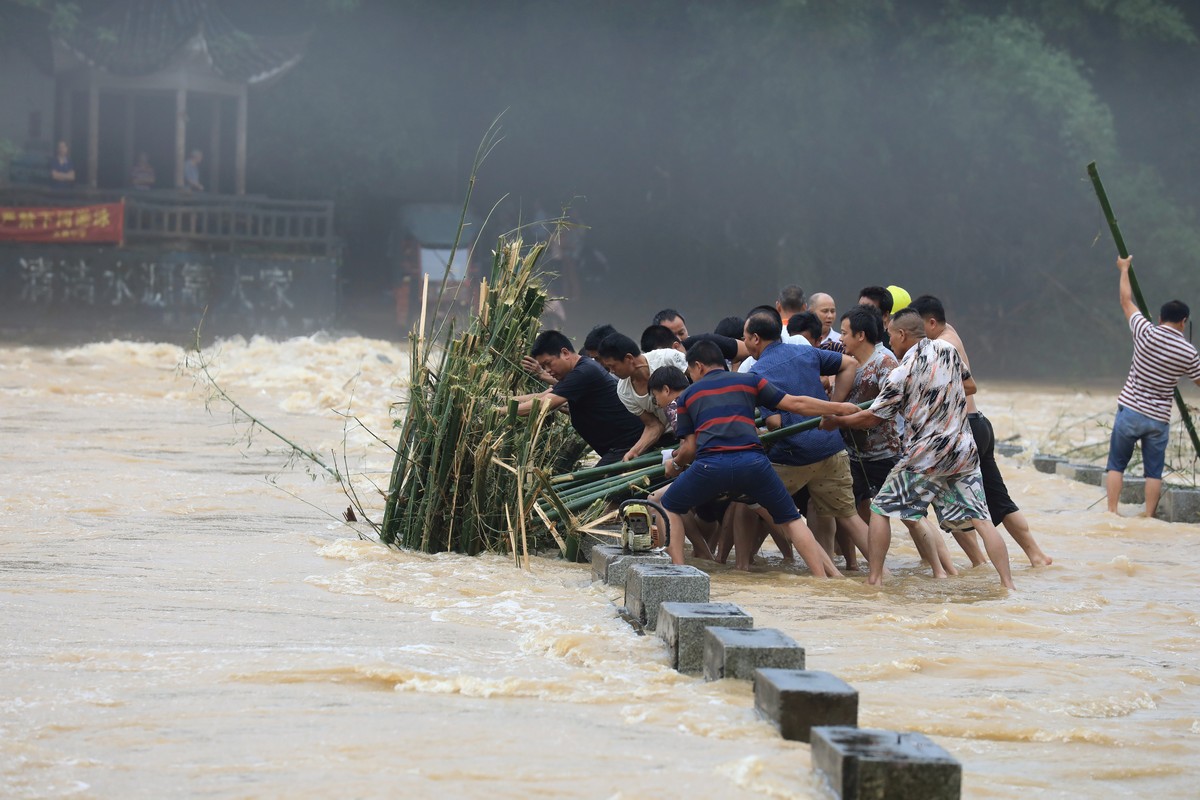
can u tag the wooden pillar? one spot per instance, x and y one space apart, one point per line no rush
180 134
93 143
214 147
64 115
239 163
130 109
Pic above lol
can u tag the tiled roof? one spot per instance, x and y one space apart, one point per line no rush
139 37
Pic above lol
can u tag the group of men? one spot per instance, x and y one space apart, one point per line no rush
898 432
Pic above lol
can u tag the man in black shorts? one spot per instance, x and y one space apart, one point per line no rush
1003 510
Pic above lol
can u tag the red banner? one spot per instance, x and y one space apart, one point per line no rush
99 223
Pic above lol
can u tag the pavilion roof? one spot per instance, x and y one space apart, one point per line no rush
141 37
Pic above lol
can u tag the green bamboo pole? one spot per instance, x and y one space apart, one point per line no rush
1184 414
631 474
581 477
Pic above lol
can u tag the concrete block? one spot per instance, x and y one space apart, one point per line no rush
870 764
1133 490
648 586
589 542
1046 463
610 563
1179 505
732 653
796 700
681 626
1009 448
1090 474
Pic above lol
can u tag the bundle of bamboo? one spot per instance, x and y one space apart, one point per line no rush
466 473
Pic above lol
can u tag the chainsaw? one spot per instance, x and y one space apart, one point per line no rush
637 525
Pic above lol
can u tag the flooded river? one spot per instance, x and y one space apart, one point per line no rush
184 618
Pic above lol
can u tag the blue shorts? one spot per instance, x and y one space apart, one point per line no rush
738 472
1131 427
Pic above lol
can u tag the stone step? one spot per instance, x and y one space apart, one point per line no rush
871 764
1090 474
682 625
1179 505
610 563
732 653
1047 463
648 586
796 700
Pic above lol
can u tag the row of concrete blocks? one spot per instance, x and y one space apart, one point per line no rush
1177 504
720 641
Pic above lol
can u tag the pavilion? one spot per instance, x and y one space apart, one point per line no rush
163 76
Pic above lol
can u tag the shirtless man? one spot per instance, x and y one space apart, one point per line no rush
1003 510
715 423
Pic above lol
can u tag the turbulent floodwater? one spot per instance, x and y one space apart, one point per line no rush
177 623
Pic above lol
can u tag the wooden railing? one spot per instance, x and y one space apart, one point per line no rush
214 220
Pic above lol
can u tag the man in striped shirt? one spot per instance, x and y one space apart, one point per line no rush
720 451
1161 356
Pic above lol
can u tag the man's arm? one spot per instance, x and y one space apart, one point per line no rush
969 386
530 365
1126 289
525 402
843 382
651 433
861 419
685 455
812 407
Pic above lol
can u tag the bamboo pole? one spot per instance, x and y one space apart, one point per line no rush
1094 174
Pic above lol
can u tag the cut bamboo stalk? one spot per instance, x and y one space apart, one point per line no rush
1102 196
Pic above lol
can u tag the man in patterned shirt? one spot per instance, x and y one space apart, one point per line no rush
938 463
1161 356
875 451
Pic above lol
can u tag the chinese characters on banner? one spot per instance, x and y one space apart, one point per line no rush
98 223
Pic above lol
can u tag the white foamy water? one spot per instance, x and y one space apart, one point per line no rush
176 624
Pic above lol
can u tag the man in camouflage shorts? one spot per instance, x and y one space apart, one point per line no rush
939 463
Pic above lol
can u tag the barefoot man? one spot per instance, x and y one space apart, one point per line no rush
939 463
720 451
1161 356
1004 511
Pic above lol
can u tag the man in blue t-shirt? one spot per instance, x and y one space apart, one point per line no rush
720 451
597 414
814 459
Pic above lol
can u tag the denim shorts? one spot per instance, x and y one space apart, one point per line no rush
738 472
1129 428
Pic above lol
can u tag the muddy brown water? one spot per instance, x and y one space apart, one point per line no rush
177 625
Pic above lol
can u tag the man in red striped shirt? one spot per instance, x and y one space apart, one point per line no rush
720 451
1161 356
